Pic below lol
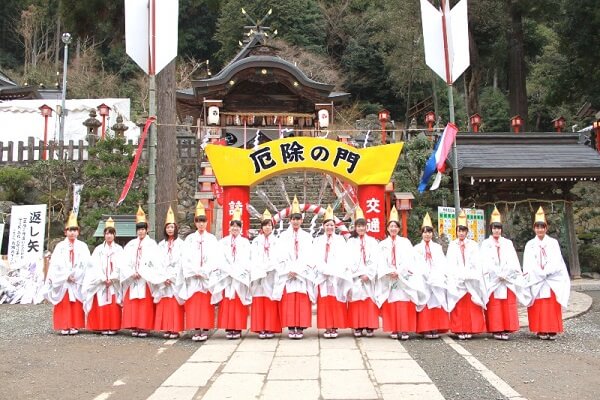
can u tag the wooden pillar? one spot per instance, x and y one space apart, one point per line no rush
574 267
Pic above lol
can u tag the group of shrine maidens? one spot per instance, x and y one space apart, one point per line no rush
176 285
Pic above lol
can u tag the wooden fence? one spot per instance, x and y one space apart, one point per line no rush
23 153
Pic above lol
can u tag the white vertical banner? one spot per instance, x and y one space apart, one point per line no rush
26 237
77 188
1 234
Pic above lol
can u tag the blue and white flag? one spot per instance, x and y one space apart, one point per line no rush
437 160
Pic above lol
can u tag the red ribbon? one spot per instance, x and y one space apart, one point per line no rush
327 247
428 256
136 159
394 252
296 243
233 247
462 250
362 250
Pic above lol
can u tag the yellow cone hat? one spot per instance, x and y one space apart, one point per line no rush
267 215
358 213
496 218
110 223
393 215
540 217
328 213
72 221
426 222
200 211
140 216
237 214
295 207
462 219
170 217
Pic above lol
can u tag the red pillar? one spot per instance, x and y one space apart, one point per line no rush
232 196
371 199
404 223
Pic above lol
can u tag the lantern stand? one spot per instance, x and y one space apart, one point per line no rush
430 120
475 120
559 124
104 110
516 122
46 113
384 117
404 205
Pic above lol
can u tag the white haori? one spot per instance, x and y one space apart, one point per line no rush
200 254
410 285
363 264
62 267
104 266
232 273
435 274
264 261
171 269
333 277
503 272
465 275
544 269
302 264
141 257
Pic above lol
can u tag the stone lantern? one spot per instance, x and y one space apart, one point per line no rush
92 125
119 128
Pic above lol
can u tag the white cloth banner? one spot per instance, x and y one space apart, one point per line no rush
1 234
26 238
77 188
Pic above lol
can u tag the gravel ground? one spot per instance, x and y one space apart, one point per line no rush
39 364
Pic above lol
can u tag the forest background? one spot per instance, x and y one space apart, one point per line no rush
531 58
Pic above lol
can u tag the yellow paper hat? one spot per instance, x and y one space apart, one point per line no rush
110 223
328 213
200 212
462 219
72 221
393 215
358 213
295 207
540 217
427 221
170 217
266 216
495 216
140 216
237 214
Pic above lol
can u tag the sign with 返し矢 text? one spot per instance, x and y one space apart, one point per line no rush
26 237
240 167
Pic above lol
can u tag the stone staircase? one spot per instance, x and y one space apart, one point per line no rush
307 186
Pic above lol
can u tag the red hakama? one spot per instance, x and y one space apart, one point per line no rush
104 318
363 314
433 319
295 310
501 314
399 316
264 315
68 314
169 315
467 317
545 315
233 315
199 313
331 313
138 313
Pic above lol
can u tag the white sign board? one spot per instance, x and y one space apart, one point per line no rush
151 32
26 238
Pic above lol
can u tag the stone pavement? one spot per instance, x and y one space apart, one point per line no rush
312 368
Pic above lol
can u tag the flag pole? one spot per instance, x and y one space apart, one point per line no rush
451 112
152 139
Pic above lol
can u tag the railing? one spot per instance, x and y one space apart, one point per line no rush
19 153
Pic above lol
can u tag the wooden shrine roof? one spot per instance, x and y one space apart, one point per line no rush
525 155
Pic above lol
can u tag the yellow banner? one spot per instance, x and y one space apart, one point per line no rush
238 167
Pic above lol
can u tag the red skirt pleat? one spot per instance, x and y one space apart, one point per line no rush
68 314
233 315
501 314
363 314
138 313
104 318
199 313
467 317
169 315
433 319
331 313
295 310
264 315
545 315
399 316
